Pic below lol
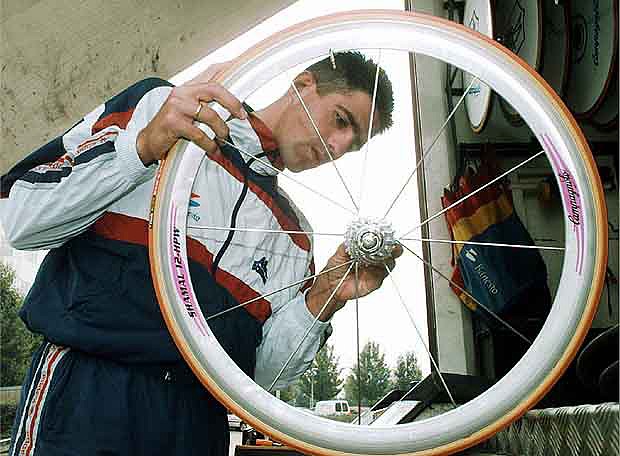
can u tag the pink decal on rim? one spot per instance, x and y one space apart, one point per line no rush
181 275
571 198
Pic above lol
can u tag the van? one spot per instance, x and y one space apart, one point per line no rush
333 407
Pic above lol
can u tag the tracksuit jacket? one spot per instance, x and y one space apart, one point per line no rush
85 196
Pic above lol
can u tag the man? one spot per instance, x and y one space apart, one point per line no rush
108 378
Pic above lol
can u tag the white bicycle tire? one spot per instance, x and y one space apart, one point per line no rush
584 259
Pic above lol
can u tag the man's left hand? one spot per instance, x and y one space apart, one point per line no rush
370 278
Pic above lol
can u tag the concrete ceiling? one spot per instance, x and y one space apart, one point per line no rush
60 59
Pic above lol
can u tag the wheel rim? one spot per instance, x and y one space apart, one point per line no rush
550 354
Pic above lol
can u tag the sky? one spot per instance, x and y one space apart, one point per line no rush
382 317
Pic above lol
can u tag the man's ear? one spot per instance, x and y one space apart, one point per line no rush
305 83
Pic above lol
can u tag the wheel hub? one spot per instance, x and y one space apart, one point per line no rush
369 240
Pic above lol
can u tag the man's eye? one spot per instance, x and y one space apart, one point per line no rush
341 121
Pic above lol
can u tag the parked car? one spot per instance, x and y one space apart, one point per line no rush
333 407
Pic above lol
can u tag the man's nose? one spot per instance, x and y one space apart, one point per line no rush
339 144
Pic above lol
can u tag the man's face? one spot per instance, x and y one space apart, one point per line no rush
341 118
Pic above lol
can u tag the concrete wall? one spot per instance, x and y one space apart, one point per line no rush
59 59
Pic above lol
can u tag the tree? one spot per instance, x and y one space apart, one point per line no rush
291 394
407 371
16 343
374 377
322 380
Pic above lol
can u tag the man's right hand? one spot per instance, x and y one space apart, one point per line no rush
175 119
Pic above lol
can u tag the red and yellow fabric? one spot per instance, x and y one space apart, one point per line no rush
493 276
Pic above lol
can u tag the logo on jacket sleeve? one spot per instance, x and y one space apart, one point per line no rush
194 204
260 266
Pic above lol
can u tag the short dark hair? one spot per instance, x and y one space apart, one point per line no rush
354 71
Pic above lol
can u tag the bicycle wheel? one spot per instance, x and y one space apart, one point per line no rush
584 255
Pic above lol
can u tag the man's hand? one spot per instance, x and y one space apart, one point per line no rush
176 117
370 278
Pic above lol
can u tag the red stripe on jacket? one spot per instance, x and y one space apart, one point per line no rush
286 222
120 119
267 141
134 230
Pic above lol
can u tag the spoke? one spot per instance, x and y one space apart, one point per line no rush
428 150
305 336
402 301
494 244
473 193
366 146
331 158
258 298
489 311
262 230
269 165
357 346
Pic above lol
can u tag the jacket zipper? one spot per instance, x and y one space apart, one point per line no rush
233 218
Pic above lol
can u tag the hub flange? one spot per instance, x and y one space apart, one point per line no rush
369 240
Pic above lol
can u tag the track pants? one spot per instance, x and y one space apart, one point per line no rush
76 404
